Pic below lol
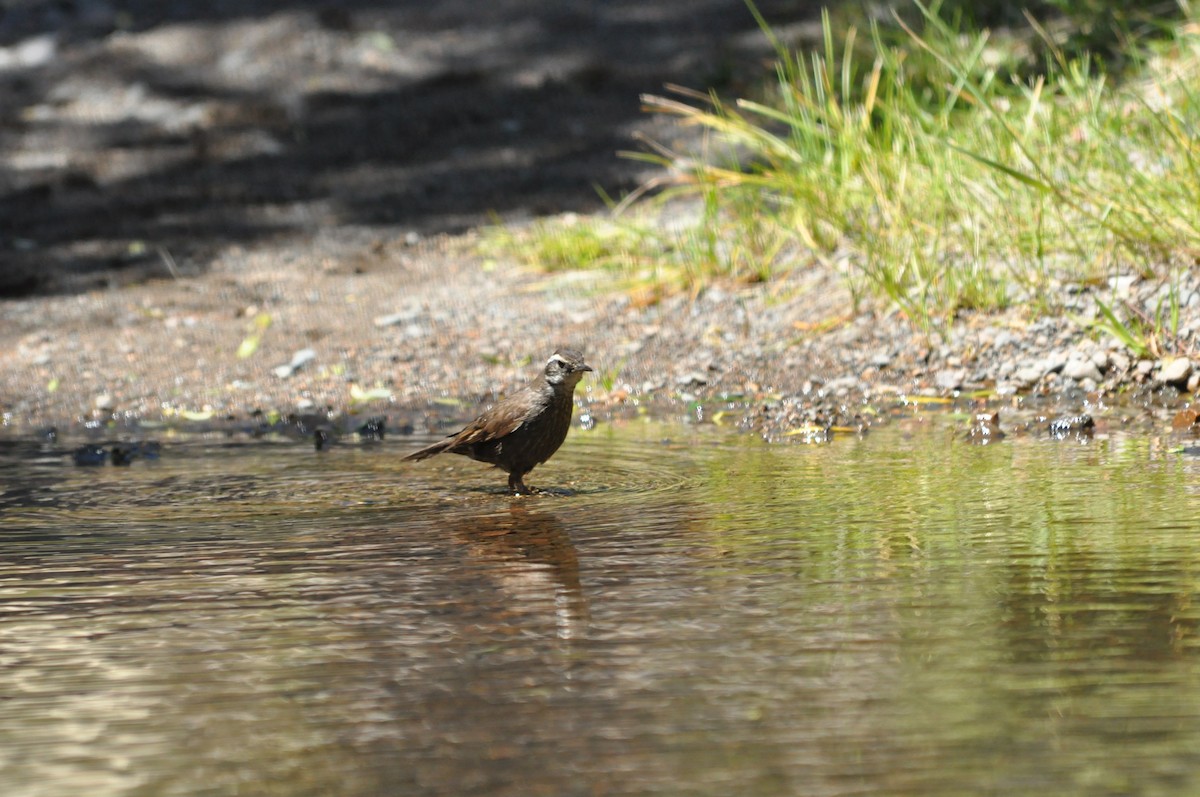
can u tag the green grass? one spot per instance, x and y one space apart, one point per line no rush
928 157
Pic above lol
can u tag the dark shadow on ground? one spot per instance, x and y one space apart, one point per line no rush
143 137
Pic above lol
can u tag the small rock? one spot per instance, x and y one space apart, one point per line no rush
950 378
1054 362
842 385
1079 369
123 455
1176 372
1185 419
402 317
1028 375
985 428
693 379
1122 286
104 402
1074 424
299 360
89 455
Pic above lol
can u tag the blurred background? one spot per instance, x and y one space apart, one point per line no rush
140 136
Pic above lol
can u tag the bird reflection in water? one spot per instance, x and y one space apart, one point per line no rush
531 558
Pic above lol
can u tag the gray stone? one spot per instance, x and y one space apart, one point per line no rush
1079 369
1176 372
950 378
299 360
1122 286
1054 362
402 317
842 385
1004 338
1028 375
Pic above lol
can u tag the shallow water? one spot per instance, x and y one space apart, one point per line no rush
697 613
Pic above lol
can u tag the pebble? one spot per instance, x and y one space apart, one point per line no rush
402 317
950 378
1028 375
1004 338
1078 368
1054 362
104 402
299 360
1176 372
695 378
842 385
1122 286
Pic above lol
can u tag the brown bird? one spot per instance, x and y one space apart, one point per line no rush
524 429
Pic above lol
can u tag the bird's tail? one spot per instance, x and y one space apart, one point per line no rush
431 451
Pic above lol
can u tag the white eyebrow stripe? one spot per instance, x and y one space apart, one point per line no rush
558 357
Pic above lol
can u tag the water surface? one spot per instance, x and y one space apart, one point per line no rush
694 612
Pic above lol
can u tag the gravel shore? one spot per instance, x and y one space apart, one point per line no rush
215 213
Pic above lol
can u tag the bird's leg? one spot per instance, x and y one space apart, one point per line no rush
516 484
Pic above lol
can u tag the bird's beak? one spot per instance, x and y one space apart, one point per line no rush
584 367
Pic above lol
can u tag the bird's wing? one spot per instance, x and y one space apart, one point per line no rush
500 421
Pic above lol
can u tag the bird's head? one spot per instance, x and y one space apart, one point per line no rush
565 367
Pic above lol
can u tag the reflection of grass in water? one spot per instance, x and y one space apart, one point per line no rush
934 501
905 604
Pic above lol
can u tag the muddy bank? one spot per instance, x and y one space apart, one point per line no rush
429 332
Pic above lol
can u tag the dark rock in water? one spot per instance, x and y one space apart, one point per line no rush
123 455
320 439
985 428
149 449
90 455
374 428
308 422
1081 425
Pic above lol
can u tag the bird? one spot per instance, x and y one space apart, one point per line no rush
523 429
